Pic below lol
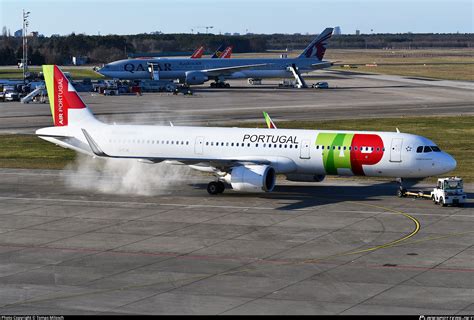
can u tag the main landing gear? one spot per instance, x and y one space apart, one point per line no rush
215 187
219 84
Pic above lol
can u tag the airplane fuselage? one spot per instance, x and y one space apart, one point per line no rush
318 152
176 68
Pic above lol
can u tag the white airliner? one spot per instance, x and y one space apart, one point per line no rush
246 159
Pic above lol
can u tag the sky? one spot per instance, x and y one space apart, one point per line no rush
255 16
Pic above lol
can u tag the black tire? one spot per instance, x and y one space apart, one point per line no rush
461 205
401 192
213 84
221 186
441 202
227 85
213 188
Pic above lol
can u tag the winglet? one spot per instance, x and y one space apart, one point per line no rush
94 146
270 123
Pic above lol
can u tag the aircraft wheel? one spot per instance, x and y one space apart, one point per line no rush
213 84
227 85
221 186
401 192
213 187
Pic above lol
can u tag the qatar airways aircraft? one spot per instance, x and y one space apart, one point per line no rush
199 71
245 159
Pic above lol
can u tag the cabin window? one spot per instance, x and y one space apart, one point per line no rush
339 148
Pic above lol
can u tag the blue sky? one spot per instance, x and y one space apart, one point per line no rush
264 16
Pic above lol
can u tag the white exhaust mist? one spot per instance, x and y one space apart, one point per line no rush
124 176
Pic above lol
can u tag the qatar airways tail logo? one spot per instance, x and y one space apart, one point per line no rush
60 101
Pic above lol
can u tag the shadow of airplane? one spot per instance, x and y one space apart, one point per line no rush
306 196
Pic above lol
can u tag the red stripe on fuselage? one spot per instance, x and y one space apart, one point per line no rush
360 157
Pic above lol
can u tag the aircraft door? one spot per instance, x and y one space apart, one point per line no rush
396 150
154 71
305 152
198 146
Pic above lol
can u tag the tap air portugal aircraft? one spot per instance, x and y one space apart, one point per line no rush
246 159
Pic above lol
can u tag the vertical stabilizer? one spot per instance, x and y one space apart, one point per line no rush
66 106
317 47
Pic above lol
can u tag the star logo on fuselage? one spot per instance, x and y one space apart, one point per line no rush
408 148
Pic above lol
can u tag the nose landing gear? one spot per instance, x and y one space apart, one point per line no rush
401 192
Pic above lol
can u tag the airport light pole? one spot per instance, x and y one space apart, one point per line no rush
25 44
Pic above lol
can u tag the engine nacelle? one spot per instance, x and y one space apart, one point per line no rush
305 177
252 178
195 77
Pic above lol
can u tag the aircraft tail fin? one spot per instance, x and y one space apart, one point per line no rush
317 47
67 108
198 53
227 52
218 52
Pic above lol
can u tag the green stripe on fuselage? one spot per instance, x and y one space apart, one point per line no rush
333 158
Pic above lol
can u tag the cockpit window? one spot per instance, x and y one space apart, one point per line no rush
419 149
435 149
427 149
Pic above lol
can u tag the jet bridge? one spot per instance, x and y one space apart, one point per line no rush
300 83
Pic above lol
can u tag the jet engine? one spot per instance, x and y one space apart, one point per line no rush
195 77
252 178
305 177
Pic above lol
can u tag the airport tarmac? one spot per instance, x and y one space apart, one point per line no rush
351 95
336 247
72 242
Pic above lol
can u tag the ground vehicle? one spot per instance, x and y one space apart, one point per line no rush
320 85
449 191
10 93
255 81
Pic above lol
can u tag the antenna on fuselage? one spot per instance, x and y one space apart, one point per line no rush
398 131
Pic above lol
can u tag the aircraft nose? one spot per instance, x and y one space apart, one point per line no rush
449 163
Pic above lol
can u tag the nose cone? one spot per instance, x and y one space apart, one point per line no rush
448 163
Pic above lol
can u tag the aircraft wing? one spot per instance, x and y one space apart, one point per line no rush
230 70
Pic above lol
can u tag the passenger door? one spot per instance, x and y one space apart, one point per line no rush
199 145
396 150
305 151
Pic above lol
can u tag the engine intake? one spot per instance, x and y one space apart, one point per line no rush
252 178
195 77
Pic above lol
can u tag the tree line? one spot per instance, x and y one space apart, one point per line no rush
103 49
